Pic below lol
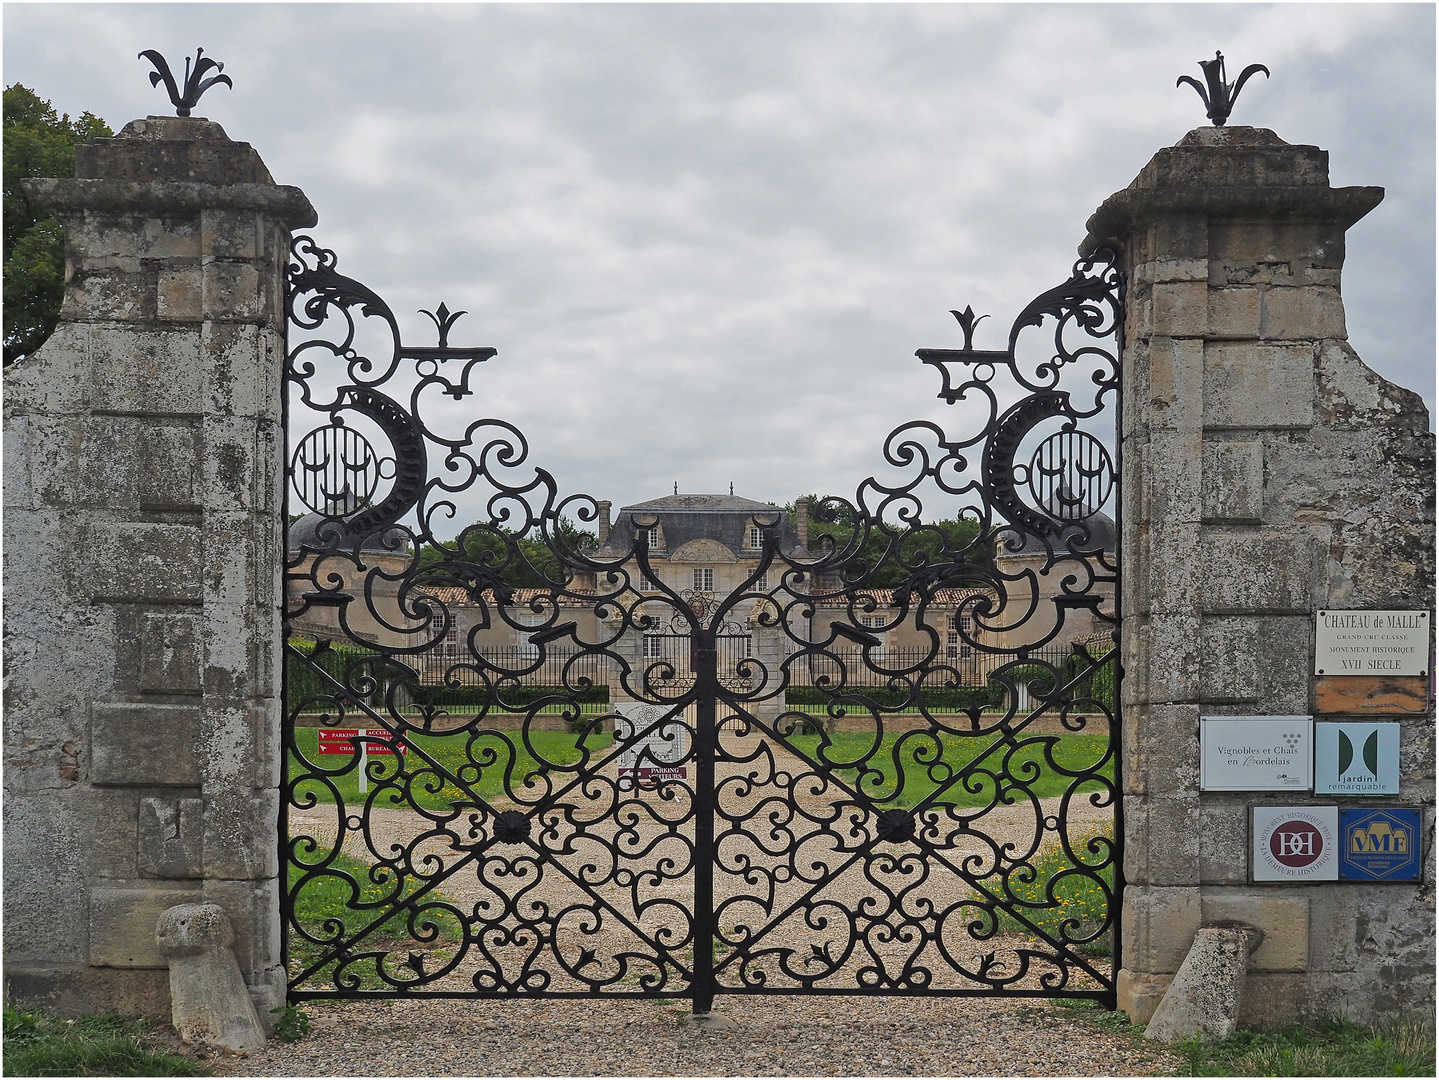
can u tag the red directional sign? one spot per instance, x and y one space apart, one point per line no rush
342 741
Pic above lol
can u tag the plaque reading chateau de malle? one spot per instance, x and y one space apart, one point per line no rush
1371 643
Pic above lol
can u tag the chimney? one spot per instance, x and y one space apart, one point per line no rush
604 526
801 520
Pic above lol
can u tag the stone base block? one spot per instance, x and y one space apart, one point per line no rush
78 991
1271 1001
1140 994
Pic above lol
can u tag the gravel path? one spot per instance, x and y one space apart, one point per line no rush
789 1036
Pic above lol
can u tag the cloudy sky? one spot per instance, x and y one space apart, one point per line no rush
707 240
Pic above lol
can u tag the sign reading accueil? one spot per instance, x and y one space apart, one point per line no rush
1255 753
1371 643
1379 845
1355 757
1296 843
652 752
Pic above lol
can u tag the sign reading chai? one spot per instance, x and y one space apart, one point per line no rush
1371 643
1256 753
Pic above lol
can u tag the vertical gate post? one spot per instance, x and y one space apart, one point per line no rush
143 474
1268 474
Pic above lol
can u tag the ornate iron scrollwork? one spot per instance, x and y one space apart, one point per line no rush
774 798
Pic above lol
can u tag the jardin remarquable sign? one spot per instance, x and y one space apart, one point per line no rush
1371 643
1256 753
1356 757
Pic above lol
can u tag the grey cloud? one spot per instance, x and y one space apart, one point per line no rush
707 239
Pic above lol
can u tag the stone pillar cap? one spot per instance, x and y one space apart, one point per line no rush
62 197
174 128
1229 174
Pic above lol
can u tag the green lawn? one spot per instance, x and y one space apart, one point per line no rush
480 763
1030 761
364 894
1043 764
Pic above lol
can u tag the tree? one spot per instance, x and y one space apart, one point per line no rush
37 142
522 560
890 556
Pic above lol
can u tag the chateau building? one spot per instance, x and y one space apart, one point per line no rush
701 549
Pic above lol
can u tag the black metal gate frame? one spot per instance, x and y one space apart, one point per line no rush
339 479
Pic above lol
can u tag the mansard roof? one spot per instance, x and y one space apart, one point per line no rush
683 518
680 504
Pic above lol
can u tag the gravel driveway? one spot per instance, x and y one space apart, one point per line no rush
777 1036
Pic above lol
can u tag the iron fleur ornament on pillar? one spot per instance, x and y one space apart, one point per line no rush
1220 96
195 83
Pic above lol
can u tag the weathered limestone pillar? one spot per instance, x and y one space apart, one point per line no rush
143 485
1267 474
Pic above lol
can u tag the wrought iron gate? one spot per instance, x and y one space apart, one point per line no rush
495 786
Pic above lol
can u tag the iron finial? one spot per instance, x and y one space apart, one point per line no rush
968 320
443 318
1220 96
195 83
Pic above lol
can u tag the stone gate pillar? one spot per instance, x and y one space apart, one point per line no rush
1267 474
143 485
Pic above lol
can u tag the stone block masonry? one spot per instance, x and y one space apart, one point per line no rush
1267 474
142 556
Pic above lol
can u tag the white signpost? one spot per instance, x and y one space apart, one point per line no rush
1356 757
1371 643
1296 843
652 753
1256 753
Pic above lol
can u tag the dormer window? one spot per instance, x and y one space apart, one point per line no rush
651 537
755 540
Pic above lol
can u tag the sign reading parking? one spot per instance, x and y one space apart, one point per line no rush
1380 845
1296 843
651 752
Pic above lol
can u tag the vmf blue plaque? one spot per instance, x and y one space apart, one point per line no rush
1379 845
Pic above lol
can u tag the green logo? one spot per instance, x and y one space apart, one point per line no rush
1371 753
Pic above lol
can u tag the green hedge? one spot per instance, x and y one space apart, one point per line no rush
349 664
938 698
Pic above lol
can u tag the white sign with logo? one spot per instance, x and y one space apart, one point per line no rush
651 752
1371 643
1256 753
1356 758
1296 843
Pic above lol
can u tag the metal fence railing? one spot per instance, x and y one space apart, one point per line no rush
452 678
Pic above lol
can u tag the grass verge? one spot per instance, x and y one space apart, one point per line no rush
1399 1047
102 1045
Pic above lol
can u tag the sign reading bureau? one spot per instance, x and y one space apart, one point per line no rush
1371 643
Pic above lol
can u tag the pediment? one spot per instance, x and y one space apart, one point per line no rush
703 550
